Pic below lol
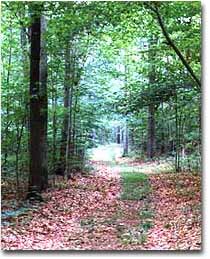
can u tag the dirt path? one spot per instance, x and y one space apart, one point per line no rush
89 214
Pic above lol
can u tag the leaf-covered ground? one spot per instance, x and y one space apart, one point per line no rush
88 213
177 203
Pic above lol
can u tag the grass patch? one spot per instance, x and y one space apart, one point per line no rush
146 214
133 237
146 217
146 225
135 186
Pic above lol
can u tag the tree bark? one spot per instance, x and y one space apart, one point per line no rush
37 106
35 176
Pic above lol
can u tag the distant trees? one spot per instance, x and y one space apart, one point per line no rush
92 64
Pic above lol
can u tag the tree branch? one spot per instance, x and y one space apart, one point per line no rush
172 44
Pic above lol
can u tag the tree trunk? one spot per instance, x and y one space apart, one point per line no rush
25 71
70 122
118 134
151 131
177 155
6 132
54 128
125 142
151 107
17 151
37 123
163 130
74 125
66 107
44 106
132 139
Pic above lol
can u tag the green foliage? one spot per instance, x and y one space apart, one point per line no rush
115 48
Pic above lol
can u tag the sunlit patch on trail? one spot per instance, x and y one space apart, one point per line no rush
106 153
110 157
104 160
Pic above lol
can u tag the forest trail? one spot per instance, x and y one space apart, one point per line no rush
78 75
91 213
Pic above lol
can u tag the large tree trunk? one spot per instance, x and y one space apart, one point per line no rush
35 179
38 97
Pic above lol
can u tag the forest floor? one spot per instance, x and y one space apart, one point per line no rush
109 209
